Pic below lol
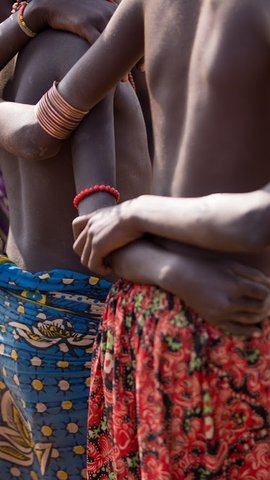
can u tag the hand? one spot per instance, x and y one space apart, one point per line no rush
86 19
233 297
98 234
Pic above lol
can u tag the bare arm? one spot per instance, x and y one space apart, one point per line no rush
111 57
114 53
229 295
93 154
221 222
87 21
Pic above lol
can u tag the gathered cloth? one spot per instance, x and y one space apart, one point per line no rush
48 323
175 398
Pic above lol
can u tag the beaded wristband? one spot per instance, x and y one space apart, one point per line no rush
22 24
96 188
56 116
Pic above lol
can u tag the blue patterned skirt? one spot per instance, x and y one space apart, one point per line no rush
48 324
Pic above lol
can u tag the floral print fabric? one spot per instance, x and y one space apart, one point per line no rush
48 324
174 398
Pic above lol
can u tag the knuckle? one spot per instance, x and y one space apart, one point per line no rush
84 261
96 244
76 249
259 290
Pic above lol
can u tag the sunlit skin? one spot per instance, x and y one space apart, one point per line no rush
41 193
208 95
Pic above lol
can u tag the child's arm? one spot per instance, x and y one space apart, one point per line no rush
94 160
93 155
231 296
117 50
111 56
222 222
87 21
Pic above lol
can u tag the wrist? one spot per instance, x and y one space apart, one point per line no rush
94 202
135 211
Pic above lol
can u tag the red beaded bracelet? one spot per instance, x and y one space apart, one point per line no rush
96 188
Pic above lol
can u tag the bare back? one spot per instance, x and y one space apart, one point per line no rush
209 90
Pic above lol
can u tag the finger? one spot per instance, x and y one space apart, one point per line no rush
80 242
78 225
86 251
99 265
247 318
243 331
251 273
254 290
252 305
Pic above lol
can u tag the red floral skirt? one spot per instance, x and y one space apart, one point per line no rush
174 398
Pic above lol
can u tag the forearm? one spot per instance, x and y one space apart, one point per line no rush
93 154
112 55
142 262
224 222
87 21
13 38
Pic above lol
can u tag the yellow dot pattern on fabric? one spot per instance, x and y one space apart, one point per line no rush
20 309
37 385
16 379
61 475
68 281
36 361
15 472
62 364
72 427
63 347
44 276
87 382
67 405
46 430
2 386
2 349
33 475
4 371
55 453
41 407
3 328
93 280
64 385
79 449
23 403
14 355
